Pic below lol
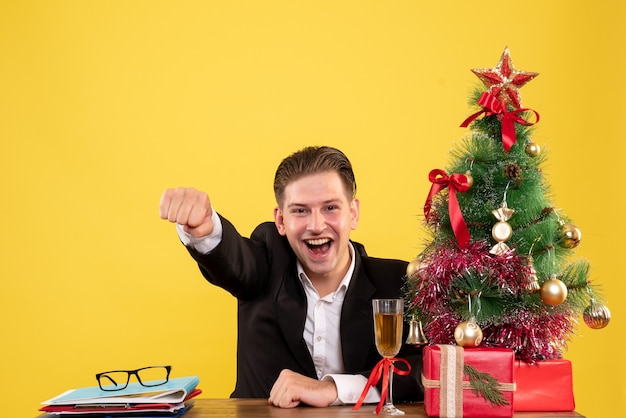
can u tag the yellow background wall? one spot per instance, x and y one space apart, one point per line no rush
103 104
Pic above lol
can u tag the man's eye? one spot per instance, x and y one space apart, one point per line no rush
331 207
298 211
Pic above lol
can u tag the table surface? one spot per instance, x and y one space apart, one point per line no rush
259 408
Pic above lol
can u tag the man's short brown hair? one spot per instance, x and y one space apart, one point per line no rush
313 160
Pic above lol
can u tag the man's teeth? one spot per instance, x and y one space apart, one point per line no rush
320 241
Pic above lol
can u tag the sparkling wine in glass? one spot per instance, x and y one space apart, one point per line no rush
388 318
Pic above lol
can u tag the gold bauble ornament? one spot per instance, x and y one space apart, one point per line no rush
414 266
596 315
532 149
569 236
553 291
468 334
470 179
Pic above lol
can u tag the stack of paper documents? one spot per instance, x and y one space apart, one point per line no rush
171 399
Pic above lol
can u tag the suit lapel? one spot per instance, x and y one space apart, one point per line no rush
291 308
357 324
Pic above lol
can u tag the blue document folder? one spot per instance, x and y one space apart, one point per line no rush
174 391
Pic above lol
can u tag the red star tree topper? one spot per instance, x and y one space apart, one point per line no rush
504 81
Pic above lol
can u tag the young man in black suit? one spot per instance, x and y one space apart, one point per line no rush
304 289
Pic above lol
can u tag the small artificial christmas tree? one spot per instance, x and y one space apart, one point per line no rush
496 271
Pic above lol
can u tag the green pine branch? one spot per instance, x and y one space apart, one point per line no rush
485 385
475 289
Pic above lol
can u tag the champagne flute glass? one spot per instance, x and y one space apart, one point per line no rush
388 318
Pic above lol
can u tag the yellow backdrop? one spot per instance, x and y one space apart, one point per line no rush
103 104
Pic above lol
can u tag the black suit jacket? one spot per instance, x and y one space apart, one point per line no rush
260 272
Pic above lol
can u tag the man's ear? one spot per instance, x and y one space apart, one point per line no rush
279 220
354 213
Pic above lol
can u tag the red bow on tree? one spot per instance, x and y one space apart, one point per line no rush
491 106
455 183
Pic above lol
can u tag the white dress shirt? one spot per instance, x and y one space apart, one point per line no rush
321 328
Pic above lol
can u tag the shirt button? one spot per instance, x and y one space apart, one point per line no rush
319 338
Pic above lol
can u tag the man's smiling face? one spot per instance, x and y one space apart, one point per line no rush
316 216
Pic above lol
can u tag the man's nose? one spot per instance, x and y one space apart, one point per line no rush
317 221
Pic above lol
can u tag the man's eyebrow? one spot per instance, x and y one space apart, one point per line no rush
324 203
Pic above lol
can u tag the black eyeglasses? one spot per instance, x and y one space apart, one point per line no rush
146 376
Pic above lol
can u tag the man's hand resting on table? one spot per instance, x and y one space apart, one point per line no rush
291 389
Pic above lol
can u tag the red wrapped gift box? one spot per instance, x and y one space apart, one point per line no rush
447 392
544 386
